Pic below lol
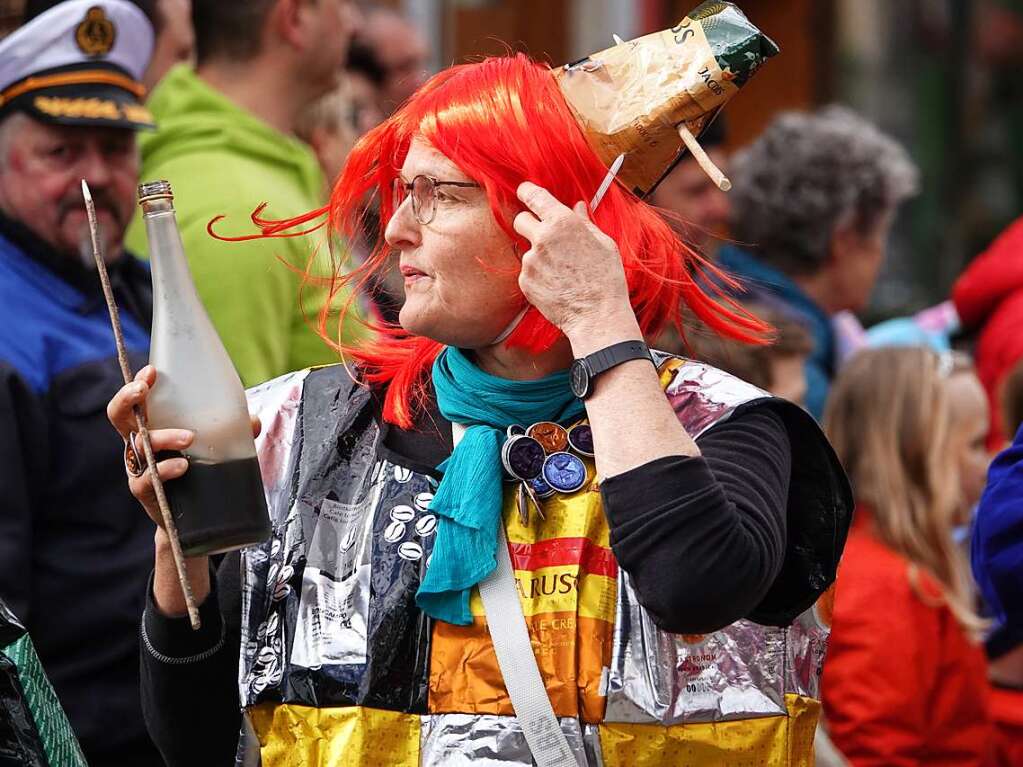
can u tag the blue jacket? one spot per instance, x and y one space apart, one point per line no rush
75 548
997 544
766 284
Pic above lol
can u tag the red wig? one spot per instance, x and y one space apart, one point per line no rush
503 121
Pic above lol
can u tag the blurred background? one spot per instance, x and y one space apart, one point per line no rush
942 76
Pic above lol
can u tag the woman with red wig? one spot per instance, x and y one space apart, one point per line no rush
664 530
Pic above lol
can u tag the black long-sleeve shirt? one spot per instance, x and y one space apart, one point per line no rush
702 538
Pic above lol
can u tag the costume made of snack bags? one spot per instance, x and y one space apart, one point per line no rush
339 666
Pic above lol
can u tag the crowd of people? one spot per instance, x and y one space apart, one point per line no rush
805 482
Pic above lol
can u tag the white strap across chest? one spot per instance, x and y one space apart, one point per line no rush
516 659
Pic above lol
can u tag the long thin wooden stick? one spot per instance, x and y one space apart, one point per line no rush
606 183
140 416
708 166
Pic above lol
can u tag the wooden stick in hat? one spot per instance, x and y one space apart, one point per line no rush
140 417
708 166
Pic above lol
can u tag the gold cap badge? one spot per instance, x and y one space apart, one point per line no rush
96 34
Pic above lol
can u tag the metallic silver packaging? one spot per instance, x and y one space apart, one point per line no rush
334 623
457 740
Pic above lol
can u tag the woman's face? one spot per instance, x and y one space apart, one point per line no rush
969 425
460 270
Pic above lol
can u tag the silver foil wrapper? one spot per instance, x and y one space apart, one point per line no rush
348 528
464 740
806 647
741 671
656 677
276 403
345 538
703 396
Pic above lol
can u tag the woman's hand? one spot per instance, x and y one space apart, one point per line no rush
119 411
573 274
572 271
166 588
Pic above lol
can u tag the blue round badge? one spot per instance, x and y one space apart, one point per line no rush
541 488
564 472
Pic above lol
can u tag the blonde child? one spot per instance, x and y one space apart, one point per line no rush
905 680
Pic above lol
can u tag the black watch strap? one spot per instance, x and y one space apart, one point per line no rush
604 359
586 370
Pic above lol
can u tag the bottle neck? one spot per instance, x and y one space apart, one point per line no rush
157 204
173 288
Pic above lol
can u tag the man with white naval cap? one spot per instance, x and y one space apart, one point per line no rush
74 552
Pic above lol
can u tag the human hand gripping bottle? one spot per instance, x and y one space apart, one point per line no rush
218 504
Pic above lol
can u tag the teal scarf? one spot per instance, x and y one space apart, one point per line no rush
468 500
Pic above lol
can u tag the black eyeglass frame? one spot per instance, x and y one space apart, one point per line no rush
400 190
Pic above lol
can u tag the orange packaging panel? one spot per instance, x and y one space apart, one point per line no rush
571 653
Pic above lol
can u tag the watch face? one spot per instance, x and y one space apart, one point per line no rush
579 378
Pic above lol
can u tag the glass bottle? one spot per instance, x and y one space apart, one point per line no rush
218 504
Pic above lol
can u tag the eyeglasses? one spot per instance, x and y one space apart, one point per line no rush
423 191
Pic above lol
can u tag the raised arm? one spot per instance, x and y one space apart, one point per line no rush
189 694
573 274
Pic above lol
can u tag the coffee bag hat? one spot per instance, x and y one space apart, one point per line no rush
79 63
647 98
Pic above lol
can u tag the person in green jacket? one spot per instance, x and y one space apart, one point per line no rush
225 143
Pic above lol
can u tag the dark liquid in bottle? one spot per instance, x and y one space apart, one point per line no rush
219 506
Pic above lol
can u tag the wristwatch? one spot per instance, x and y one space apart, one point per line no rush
585 370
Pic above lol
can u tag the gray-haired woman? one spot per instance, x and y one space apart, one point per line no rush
813 203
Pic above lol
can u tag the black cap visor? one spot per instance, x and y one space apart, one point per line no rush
85 104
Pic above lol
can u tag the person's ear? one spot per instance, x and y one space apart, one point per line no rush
844 241
318 138
287 22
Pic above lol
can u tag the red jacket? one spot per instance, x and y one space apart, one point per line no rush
903 685
1007 713
989 297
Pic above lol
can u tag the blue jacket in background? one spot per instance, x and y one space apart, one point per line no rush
767 285
76 549
997 547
